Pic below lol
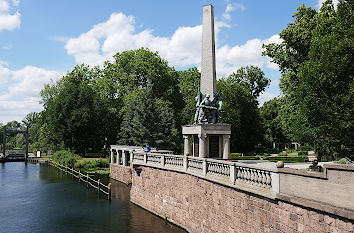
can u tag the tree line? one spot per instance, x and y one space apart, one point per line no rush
138 98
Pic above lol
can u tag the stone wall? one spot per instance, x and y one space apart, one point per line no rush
200 205
120 173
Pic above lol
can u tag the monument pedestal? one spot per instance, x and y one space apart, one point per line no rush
209 140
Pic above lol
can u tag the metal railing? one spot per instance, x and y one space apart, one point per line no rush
106 189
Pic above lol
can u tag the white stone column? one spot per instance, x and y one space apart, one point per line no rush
112 156
131 156
226 146
201 146
124 158
187 147
118 156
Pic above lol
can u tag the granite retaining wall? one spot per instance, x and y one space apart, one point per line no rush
200 205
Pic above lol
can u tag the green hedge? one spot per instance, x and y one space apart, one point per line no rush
299 159
245 157
92 165
64 157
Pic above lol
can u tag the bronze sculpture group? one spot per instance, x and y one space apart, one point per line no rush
208 111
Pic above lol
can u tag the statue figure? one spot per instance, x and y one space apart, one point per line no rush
197 100
208 112
218 104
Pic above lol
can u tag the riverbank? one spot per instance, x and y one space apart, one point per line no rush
92 166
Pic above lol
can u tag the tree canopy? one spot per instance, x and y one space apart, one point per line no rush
315 59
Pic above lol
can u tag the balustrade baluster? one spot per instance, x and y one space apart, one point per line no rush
251 176
268 181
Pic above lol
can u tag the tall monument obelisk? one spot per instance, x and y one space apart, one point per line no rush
210 138
208 79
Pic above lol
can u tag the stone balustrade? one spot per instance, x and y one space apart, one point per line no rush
273 183
237 175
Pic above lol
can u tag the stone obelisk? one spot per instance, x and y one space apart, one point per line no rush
210 139
208 79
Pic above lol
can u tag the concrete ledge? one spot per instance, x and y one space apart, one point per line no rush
346 167
342 212
293 171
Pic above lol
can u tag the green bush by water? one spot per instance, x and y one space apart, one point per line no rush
64 157
92 165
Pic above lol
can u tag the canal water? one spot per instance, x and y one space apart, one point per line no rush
41 198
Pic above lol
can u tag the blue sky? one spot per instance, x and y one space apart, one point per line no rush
41 40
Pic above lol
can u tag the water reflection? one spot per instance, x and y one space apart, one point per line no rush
44 199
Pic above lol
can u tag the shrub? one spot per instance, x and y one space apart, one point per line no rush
64 157
305 148
92 164
302 153
299 159
342 161
232 156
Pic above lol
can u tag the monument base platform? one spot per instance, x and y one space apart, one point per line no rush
208 140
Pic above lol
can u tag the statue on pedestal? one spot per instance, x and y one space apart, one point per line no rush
208 112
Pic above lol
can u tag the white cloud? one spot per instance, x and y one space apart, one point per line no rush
320 2
62 39
29 80
266 96
182 49
4 73
4 6
230 8
7 47
15 2
235 6
8 20
20 90
229 59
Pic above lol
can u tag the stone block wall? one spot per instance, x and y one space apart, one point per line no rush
120 173
203 206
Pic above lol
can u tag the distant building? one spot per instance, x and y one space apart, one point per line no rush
286 145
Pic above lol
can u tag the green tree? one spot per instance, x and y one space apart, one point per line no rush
239 92
133 70
189 82
74 114
149 119
271 122
315 59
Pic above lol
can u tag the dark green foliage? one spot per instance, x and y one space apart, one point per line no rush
238 157
149 120
298 159
65 158
239 92
92 164
271 121
74 114
189 82
316 61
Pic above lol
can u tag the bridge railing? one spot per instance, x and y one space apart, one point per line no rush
246 177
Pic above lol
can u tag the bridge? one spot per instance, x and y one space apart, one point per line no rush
14 155
213 195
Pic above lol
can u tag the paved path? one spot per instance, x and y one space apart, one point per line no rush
267 164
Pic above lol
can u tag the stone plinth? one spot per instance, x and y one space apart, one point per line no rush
209 140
